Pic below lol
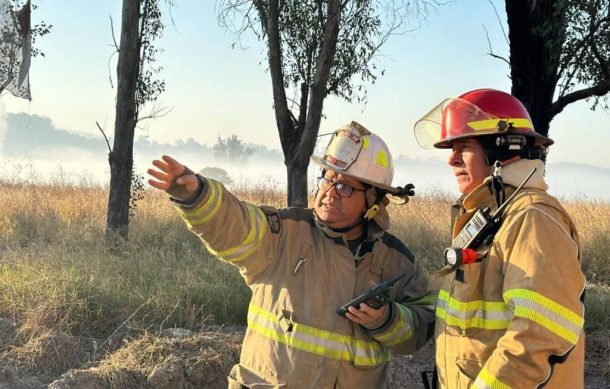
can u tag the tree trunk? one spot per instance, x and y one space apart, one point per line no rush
287 131
297 145
536 34
299 160
121 157
297 184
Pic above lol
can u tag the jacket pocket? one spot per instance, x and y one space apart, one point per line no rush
241 377
468 370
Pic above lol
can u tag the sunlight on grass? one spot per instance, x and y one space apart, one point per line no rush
55 270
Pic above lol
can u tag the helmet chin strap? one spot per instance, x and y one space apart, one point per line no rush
374 208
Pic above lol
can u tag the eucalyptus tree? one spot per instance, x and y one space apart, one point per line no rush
559 54
137 84
317 48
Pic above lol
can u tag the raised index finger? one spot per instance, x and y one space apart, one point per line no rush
171 162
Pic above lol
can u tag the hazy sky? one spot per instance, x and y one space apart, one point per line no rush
214 89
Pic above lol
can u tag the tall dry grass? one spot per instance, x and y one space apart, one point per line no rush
56 273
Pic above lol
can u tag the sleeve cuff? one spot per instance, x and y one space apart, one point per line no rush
190 204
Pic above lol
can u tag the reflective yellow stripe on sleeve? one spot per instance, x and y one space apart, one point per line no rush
258 228
487 381
317 341
207 209
489 315
401 330
545 312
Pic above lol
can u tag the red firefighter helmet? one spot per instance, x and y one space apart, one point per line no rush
476 113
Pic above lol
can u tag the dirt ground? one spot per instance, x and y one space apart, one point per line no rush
182 359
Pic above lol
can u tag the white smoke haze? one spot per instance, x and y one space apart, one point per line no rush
78 167
32 150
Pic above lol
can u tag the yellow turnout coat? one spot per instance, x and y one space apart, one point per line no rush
299 273
515 319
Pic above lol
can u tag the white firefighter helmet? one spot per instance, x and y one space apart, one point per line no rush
356 152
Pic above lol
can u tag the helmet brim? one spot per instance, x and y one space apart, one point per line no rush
323 164
540 140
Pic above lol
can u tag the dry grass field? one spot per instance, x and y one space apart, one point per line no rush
67 301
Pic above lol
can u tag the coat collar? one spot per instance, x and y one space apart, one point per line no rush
373 233
513 174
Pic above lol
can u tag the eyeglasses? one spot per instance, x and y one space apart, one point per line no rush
343 190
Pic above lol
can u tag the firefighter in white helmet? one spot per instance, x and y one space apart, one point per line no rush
303 264
510 310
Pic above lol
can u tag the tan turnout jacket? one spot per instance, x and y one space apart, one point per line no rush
515 319
299 273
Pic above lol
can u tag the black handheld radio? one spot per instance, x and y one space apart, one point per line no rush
482 226
376 297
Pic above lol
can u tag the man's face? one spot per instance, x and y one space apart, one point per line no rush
336 211
469 166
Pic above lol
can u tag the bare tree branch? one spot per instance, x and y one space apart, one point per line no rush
155 113
598 90
490 52
116 46
105 137
500 23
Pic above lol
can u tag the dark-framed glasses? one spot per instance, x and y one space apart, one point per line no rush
343 190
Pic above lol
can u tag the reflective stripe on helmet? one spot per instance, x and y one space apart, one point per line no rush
492 124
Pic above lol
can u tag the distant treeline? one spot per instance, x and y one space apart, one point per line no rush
30 136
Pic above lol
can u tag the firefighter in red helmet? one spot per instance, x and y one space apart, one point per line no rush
512 315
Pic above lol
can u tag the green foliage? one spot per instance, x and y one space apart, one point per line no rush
302 26
149 87
217 174
585 54
364 27
137 191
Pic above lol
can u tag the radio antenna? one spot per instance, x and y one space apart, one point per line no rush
508 200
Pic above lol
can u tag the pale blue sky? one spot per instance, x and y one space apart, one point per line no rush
214 89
